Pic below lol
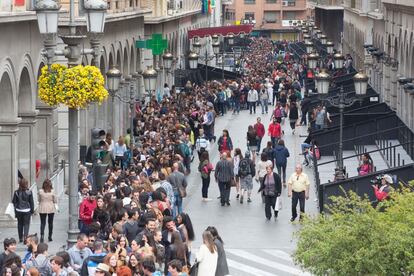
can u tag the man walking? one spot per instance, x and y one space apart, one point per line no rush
252 98
274 131
298 189
202 144
246 172
260 131
224 174
179 183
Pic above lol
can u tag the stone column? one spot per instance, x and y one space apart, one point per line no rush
386 83
44 147
27 146
8 165
393 87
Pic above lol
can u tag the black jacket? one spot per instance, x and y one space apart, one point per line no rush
23 200
278 184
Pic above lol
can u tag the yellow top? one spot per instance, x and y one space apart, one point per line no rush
299 182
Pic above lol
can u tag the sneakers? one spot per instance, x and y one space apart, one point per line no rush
237 196
228 203
292 219
276 213
249 200
241 199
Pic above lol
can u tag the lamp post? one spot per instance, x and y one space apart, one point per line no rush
341 101
313 61
338 61
150 79
167 59
193 60
323 39
309 47
329 47
48 16
113 79
206 57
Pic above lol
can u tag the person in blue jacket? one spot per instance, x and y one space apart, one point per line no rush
281 154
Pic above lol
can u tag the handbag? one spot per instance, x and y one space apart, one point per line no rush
10 210
233 182
194 269
182 191
278 205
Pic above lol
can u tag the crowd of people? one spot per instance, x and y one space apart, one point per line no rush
134 223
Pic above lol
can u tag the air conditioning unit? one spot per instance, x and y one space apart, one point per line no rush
285 3
170 12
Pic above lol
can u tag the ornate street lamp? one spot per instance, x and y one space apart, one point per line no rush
309 47
361 84
193 60
306 38
216 47
339 61
167 59
324 39
230 39
313 61
318 34
215 38
150 79
95 15
47 16
113 77
197 47
329 47
322 82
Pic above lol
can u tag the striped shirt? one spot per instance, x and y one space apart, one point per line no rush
202 142
224 171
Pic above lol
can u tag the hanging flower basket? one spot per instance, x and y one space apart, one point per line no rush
74 87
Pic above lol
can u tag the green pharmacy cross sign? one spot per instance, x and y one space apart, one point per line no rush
157 44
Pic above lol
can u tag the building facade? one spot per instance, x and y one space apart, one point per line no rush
272 18
33 133
387 26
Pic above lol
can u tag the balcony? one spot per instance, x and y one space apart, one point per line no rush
293 5
327 4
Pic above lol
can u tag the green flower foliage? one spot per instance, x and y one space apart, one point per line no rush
358 239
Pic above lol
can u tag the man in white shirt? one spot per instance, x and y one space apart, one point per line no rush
252 98
202 144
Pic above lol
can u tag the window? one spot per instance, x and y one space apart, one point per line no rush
249 2
289 3
271 1
270 16
249 16
289 15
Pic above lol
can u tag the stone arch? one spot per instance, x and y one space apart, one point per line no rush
125 62
85 60
118 60
27 87
407 61
138 60
132 60
103 62
396 48
8 103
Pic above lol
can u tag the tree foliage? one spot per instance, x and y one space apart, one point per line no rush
357 239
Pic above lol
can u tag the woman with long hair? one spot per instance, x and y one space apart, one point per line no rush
205 167
23 208
185 224
222 267
252 141
224 142
366 165
176 250
100 215
207 256
236 161
47 200
134 264
112 261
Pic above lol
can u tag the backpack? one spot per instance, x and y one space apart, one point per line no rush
184 150
244 167
44 268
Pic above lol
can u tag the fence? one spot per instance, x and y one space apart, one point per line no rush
58 183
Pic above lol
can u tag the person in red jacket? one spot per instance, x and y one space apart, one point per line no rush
86 209
274 131
382 192
260 131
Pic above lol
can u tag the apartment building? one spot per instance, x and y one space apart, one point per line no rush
271 18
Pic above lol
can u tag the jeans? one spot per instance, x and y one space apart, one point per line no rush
224 192
304 146
221 108
252 106
236 106
49 222
204 188
270 202
23 224
259 142
274 141
264 105
298 196
303 119
281 170
318 127
178 204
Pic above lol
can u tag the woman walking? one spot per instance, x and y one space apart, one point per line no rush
271 188
281 156
47 201
119 151
23 208
222 267
205 167
207 256
236 161
224 142
293 116
252 141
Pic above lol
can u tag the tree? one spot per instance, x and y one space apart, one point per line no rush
357 239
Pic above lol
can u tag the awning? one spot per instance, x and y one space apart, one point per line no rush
224 31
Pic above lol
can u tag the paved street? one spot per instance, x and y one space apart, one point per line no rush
253 245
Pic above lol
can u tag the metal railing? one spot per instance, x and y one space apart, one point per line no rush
58 183
327 2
